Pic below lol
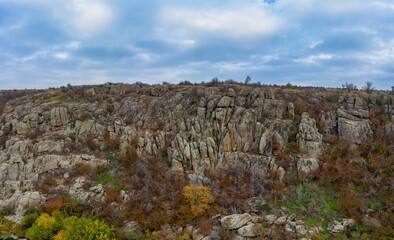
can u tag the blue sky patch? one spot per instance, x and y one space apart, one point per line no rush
306 42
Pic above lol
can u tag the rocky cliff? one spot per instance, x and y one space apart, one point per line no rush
49 136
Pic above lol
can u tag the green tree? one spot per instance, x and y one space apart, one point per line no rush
289 85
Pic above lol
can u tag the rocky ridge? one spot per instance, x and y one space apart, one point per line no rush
197 130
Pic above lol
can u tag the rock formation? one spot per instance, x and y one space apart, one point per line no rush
194 130
310 142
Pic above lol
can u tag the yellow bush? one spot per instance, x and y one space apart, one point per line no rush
45 221
199 198
57 227
60 235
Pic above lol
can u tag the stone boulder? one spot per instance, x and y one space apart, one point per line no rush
235 221
59 117
353 123
251 230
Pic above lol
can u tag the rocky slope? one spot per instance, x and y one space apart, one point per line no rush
49 136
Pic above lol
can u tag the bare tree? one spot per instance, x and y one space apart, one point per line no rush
368 87
248 79
349 86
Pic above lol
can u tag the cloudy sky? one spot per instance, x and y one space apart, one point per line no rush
50 43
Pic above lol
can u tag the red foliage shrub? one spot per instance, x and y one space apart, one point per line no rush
128 160
2 107
100 169
205 226
111 144
350 204
46 184
83 169
53 204
112 195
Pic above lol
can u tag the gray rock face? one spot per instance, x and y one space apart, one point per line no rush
353 123
22 128
20 201
230 129
310 141
59 117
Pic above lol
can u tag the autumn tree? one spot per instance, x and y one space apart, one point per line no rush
199 198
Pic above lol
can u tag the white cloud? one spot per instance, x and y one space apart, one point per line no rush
383 5
238 23
81 17
84 17
73 45
315 43
145 57
62 55
314 58
34 56
384 53
332 7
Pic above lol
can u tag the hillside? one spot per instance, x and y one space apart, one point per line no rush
212 161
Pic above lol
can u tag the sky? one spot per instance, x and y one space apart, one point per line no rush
52 43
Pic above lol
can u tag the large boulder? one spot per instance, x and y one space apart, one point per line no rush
251 230
235 221
353 123
59 117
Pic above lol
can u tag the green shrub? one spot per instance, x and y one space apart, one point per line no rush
28 220
59 228
7 211
82 228
44 227
108 179
72 136
315 201
184 237
5 225
6 236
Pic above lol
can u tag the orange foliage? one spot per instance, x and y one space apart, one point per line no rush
111 144
199 197
83 169
128 160
112 195
350 205
100 169
53 204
